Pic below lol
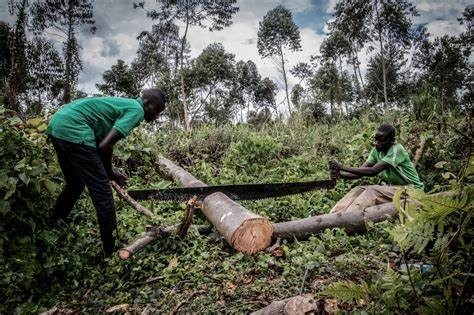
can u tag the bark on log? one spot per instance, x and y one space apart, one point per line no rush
242 229
300 304
151 235
352 222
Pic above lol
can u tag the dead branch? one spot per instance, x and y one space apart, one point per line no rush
125 196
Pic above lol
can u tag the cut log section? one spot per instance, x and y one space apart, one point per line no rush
243 230
352 222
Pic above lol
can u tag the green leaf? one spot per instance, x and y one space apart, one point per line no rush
440 164
20 164
15 121
172 264
34 122
42 127
24 178
4 206
3 180
448 175
50 186
12 187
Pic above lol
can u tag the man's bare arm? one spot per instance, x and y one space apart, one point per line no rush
366 170
348 175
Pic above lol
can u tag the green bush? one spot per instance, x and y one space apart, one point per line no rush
43 267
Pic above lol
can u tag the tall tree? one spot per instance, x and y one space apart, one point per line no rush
392 27
157 62
331 50
326 85
119 80
350 30
297 93
17 77
157 54
443 65
45 72
214 74
247 81
467 42
394 63
265 94
211 14
65 17
276 32
5 58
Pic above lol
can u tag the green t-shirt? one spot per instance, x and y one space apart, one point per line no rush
88 120
401 170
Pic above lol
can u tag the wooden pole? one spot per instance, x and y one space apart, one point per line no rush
147 238
351 221
151 235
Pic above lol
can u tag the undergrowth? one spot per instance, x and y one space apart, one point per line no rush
43 267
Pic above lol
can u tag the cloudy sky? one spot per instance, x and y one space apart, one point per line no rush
118 25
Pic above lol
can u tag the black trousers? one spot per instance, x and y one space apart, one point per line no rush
82 166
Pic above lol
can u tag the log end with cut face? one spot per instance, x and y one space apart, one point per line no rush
124 253
252 236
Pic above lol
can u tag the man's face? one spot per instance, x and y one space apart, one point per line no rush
152 110
382 141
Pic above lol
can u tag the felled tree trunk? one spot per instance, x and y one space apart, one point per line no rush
351 221
242 229
147 238
151 235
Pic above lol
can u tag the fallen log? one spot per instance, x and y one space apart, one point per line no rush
243 230
352 222
151 235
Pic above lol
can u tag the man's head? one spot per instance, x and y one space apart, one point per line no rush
153 103
384 137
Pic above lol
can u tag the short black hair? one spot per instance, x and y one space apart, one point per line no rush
388 130
155 95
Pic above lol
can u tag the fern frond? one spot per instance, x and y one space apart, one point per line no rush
347 291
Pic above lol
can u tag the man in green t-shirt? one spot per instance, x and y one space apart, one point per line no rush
387 158
83 134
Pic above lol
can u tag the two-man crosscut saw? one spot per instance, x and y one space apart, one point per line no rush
235 192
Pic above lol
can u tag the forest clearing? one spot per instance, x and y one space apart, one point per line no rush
191 178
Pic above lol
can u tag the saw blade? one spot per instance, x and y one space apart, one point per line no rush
235 192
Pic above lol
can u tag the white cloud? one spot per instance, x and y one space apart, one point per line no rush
440 5
331 6
440 28
119 24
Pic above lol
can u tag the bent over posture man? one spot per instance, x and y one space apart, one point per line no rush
388 158
83 134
